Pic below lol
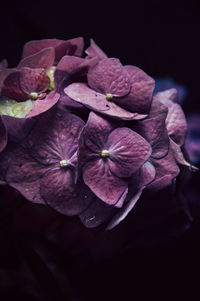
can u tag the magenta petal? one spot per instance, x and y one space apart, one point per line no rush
97 102
94 51
102 182
122 213
59 191
97 213
109 76
171 94
140 96
33 80
166 171
128 151
147 174
3 135
42 105
43 59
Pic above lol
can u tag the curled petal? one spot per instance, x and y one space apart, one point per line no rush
109 76
123 212
166 171
97 213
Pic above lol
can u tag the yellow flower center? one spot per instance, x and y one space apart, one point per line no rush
104 153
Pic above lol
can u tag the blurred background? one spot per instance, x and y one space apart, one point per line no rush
162 38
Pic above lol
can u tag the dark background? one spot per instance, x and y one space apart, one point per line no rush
162 38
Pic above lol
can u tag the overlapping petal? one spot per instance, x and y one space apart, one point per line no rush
42 59
3 135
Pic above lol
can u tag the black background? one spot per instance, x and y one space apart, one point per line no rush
162 38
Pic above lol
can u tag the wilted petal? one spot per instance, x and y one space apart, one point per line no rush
97 213
140 96
97 102
42 59
43 105
94 51
166 171
102 182
109 76
3 135
128 151
59 191
178 154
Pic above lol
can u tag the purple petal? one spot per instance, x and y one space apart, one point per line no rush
155 132
171 94
17 128
166 171
11 86
71 47
128 151
3 64
24 174
42 105
140 96
59 191
102 182
109 76
147 174
42 59
97 102
97 213
33 80
121 215
3 135
3 74
94 51
178 154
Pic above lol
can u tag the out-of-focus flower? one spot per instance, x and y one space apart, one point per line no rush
193 138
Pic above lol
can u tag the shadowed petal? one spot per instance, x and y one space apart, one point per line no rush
42 59
123 212
97 102
3 64
59 191
102 182
128 151
3 135
109 76
33 80
155 132
97 213
166 171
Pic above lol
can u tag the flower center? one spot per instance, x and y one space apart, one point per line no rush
104 153
33 95
50 73
64 163
109 96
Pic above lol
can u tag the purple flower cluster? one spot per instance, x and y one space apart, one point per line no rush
86 135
